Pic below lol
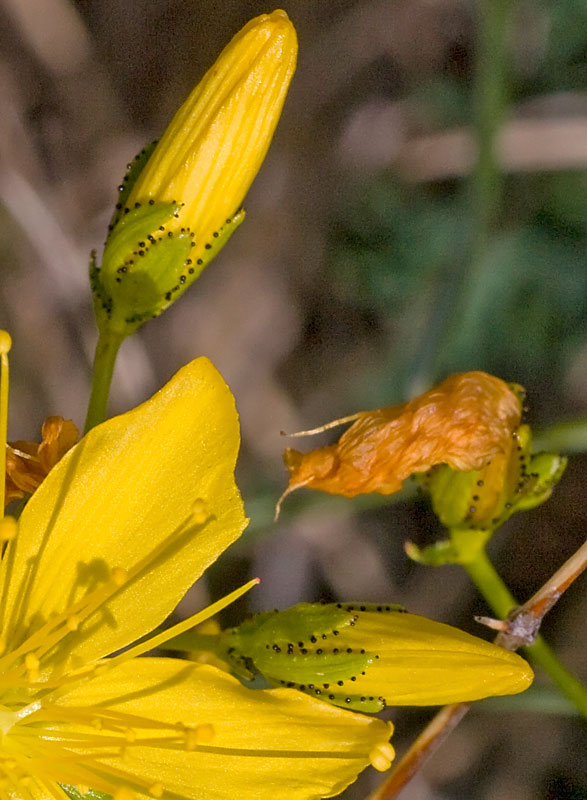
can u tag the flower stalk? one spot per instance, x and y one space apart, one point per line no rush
104 360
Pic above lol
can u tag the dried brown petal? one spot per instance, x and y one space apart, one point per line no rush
28 463
464 422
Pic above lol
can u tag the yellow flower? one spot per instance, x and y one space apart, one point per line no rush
105 548
181 202
463 422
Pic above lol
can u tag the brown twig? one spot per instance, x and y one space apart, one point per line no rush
425 745
523 623
521 628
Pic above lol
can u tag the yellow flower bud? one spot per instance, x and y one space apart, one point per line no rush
366 656
181 202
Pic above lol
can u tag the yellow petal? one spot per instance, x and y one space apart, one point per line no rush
262 744
422 662
115 498
214 146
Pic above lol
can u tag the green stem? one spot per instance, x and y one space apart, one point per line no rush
486 579
490 99
104 360
486 185
562 437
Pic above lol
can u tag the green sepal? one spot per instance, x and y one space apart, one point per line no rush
133 170
546 470
91 794
204 252
451 493
149 261
134 227
462 547
301 648
433 555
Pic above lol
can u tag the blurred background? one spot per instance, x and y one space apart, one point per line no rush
422 210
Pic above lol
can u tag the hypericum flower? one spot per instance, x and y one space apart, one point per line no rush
366 656
464 422
181 202
103 551
29 463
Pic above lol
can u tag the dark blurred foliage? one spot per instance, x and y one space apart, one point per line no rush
342 291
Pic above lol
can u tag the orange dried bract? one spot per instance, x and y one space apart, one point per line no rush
28 463
464 422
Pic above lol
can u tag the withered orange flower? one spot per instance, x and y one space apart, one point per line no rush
28 463
464 422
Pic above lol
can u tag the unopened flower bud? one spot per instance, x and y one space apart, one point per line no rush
365 656
181 200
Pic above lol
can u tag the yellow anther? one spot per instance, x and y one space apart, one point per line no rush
8 529
205 733
118 576
31 662
201 734
381 757
200 513
130 735
191 740
156 790
123 794
82 788
33 676
5 342
72 623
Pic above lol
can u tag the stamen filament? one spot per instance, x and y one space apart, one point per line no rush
42 640
27 710
148 644
334 424
107 717
181 627
55 790
50 762
50 634
94 600
5 345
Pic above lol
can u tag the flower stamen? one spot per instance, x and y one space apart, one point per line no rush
56 628
381 757
182 627
5 345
